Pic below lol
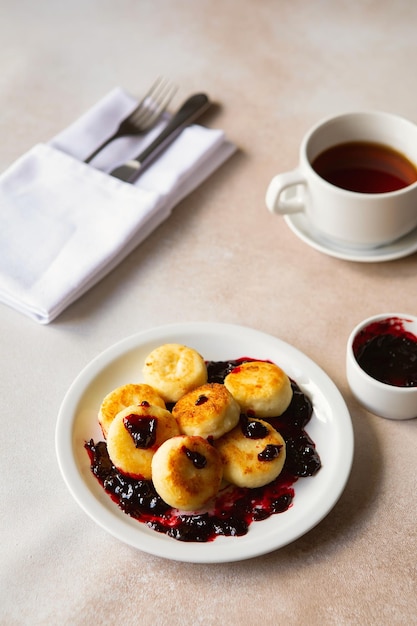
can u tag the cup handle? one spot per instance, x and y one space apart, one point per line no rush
287 182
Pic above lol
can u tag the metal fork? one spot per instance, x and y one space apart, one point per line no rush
146 114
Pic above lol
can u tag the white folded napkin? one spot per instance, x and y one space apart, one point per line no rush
64 224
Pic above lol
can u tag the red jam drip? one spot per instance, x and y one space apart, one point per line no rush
386 351
270 453
234 509
198 460
252 429
201 400
142 429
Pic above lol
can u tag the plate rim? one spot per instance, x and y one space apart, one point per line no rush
389 252
102 510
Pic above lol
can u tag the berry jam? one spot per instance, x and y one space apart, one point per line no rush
252 429
387 352
234 508
198 460
141 429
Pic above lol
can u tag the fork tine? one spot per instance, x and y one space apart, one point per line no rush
153 89
165 94
145 115
154 103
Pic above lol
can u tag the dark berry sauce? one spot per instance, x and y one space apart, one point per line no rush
141 429
252 429
234 508
270 452
198 460
388 352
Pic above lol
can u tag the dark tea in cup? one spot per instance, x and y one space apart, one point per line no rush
356 181
365 167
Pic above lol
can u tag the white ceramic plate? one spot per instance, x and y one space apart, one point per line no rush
398 249
330 428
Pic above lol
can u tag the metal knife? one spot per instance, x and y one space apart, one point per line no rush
188 112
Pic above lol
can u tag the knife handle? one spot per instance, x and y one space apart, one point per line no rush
189 111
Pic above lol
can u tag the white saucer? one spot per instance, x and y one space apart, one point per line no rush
300 225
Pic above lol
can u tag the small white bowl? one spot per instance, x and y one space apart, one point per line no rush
381 398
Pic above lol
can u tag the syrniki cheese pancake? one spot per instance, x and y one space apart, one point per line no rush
207 411
187 472
125 396
260 388
134 436
173 370
253 453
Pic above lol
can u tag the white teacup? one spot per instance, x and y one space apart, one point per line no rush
371 215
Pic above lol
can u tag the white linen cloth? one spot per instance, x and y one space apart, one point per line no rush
65 224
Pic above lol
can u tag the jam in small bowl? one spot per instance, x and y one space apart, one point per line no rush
381 365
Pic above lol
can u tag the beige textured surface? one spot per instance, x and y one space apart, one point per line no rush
275 67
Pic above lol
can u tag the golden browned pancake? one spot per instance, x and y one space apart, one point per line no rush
125 396
186 472
260 388
134 436
173 370
253 453
208 411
